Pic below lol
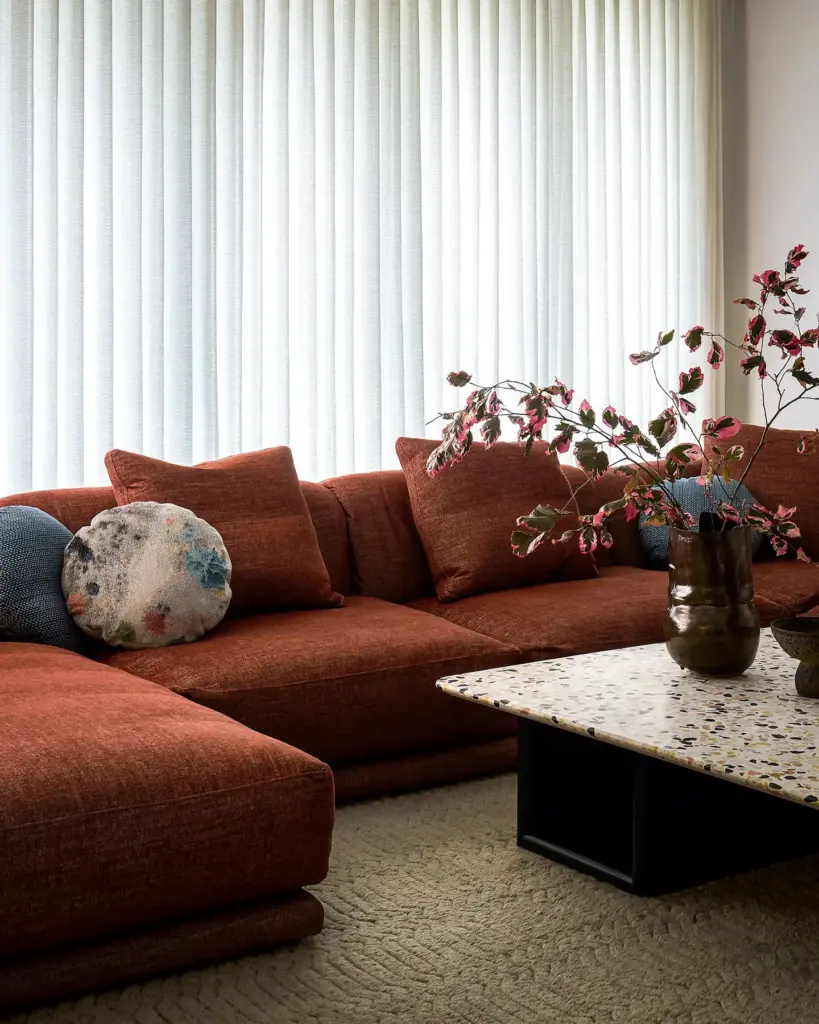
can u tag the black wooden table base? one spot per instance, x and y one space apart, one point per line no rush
643 824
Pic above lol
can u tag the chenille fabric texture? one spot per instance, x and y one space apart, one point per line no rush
146 575
72 506
345 686
781 476
387 554
256 503
627 602
77 506
467 513
124 805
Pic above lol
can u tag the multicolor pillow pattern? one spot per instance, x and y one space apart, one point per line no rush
146 575
693 498
32 609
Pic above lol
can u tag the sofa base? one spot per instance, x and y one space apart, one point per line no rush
416 771
169 946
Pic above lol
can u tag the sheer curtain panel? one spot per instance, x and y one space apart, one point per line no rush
227 224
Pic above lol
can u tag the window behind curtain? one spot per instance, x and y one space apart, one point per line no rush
226 225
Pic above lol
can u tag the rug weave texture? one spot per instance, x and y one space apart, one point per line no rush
435 916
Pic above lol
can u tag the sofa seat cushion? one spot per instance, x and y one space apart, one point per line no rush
623 607
122 804
791 585
346 685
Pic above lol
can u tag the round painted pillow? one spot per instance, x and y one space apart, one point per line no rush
146 575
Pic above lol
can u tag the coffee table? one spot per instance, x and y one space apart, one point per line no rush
654 778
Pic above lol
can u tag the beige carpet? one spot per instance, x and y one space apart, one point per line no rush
435 916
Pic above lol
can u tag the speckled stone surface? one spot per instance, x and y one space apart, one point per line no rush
752 729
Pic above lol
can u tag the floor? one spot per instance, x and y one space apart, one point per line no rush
435 916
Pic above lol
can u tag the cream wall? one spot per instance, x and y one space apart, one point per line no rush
770 165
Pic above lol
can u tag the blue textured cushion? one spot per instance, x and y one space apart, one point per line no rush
692 497
32 606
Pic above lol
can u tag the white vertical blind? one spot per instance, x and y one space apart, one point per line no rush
230 224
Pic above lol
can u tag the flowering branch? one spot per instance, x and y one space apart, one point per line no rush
646 488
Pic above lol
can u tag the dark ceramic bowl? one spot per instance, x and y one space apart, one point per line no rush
799 638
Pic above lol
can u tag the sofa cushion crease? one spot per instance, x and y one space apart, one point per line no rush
623 607
348 684
386 554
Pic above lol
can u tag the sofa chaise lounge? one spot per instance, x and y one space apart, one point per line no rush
166 807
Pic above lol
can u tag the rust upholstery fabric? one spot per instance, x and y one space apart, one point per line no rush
331 530
388 559
434 767
123 804
626 549
465 517
74 507
590 495
623 607
780 476
350 685
791 585
151 949
255 502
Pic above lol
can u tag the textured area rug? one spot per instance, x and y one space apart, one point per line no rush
435 916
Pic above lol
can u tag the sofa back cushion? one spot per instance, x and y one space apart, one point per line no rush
386 553
331 529
626 549
74 507
255 502
781 476
466 515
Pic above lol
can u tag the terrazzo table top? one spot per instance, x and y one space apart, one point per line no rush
753 729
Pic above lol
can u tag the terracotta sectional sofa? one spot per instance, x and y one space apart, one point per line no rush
160 808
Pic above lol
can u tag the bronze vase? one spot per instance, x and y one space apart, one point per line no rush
711 626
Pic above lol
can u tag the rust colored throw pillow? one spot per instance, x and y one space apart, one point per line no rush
255 502
781 476
465 517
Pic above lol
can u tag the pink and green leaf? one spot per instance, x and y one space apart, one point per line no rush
722 427
586 413
643 357
716 354
693 337
691 381
610 416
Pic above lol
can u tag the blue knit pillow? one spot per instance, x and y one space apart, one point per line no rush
32 606
692 497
